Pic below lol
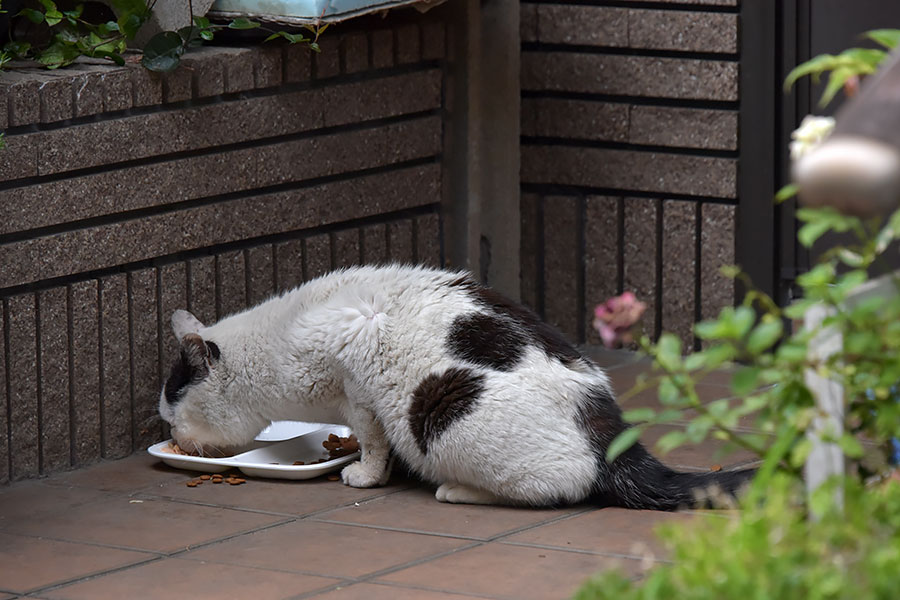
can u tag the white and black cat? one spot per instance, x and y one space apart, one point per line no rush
472 391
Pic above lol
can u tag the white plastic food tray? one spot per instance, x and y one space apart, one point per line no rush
272 454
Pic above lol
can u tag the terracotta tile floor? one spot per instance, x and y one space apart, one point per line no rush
132 529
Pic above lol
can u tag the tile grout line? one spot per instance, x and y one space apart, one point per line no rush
388 570
311 514
583 551
405 586
82 578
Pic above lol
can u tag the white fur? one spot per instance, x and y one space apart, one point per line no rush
351 347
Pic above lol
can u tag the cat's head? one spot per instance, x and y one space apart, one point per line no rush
200 399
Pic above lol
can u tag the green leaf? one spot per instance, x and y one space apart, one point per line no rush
836 82
201 22
190 35
889 38
53 17
850 258
163 52
671 440
709 330
58 55
638 415
810 232
668 391
697 429
730 271
670 414
669 352
800 452
791 352
744 316
293 38
207 35
131 7
744 380
850 446
35 16
48 5
764 335
814 66
850 280
622 442
820 275
18 49
129 24
786 193
798 308
242 23
105 29
314 47
696 361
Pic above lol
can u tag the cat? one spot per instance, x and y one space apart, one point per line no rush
473 392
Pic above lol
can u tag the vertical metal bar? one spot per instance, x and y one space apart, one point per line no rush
754 239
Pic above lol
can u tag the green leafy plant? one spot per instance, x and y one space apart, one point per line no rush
69 35
163 51
770 364
786 543
771 550
850 64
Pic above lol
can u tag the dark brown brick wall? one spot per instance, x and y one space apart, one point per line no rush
629 151
125 195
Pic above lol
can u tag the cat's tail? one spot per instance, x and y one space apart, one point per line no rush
636 479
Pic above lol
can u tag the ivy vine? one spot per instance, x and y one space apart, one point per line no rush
66 34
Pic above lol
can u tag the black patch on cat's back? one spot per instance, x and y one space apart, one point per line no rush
549 339
439 400
601 418
487 340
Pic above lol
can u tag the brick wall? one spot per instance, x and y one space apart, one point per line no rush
125 195
629 158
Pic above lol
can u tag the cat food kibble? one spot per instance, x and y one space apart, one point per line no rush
229 478
340 446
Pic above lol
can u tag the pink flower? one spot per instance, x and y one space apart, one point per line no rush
615 318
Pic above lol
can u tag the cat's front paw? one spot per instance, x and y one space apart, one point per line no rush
357 475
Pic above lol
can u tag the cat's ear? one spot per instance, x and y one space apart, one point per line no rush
184 323
197 355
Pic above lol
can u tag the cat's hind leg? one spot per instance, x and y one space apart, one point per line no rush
457 493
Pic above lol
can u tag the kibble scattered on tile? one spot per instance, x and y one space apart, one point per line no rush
229 478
